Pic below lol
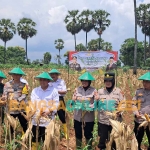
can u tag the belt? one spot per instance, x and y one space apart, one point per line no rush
61 97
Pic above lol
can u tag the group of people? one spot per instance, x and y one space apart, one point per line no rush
52 88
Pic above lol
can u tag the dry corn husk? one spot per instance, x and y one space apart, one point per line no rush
120 134
52 136
28 131
13 122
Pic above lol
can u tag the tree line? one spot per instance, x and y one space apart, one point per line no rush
25 28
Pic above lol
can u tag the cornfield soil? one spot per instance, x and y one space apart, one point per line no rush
127 82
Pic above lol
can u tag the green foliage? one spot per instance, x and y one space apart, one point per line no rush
7 31
14 55
118 63
80 47
59 44
100 20
47 58
26 28
127 52
148 62
93 45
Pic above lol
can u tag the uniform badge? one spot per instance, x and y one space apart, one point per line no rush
140 94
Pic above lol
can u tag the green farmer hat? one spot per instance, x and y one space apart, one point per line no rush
86 76
54 71
146 76
17 71
2 75
44 75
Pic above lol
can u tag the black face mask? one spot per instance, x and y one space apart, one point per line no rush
110 89
89 83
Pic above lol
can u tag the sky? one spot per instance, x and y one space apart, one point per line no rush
49 16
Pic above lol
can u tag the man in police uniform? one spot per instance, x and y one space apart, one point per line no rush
60 85
2 76
74 65
20 93
142 94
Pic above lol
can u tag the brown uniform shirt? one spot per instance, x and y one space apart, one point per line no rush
79 94
116 94
144 96
16 89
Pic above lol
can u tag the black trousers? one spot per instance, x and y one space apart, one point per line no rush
104 133
41 134
61 111
2 113
88 129
139 133
22 121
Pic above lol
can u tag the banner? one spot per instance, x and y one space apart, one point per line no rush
90 59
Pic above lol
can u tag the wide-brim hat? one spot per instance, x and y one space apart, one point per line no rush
17 71
44 75
54 71
109 76
2 75
86 76
145 76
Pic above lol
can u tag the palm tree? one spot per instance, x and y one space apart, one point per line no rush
106 46
86 22
101 22
143 21
59 44
26 29
135 44
7 31
72 23
80 47
47 58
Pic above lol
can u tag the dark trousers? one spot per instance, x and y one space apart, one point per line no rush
88 129
61 112
139 133
2 114
41 134
104 133
22 121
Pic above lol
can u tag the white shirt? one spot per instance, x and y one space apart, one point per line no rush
44 99
59 85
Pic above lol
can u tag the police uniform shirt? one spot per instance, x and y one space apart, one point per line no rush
80 93
50 94
144 97
116 94
17 90
59 85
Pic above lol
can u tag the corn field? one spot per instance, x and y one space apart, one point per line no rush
126 81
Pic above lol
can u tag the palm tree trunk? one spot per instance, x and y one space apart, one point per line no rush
99 47
86 40
144 49
27 53
75 41
59 56
4 52
135 45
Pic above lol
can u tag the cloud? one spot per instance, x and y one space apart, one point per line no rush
49 16
57 14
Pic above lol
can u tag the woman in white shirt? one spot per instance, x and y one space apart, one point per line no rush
47 100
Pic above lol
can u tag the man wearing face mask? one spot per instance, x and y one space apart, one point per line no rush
142 94
109 92
82 93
